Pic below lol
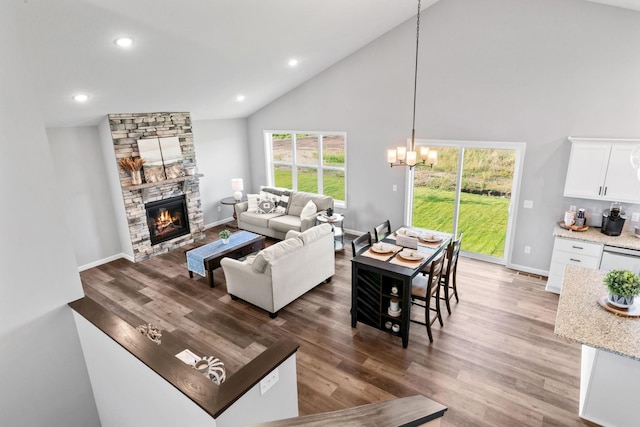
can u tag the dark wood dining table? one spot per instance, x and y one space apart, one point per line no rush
374 276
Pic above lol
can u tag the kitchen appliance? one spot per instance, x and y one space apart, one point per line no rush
613 220
620 258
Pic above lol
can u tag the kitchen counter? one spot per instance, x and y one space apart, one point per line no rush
580 318
626 240
609 367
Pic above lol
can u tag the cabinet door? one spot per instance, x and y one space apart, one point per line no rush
587 170
621 183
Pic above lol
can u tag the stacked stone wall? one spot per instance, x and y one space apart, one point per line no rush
126 130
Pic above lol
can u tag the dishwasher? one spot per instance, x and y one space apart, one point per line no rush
620 258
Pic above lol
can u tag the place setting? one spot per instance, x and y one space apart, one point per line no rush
408 258
382 251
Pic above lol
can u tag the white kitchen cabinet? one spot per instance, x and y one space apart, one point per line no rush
574 252
601 169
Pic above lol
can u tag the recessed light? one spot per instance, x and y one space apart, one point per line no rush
124 41
240 98
293 62
81 97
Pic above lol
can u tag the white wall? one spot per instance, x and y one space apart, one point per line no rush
535 71
88 209
221 154
42 371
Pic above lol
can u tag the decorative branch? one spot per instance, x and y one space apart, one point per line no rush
132 164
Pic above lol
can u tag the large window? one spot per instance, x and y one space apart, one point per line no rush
308 161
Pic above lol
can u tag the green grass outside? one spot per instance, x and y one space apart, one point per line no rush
308 181
483 219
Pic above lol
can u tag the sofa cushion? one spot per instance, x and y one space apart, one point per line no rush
285 223
258 220
273 253
309 209
314 233
299 199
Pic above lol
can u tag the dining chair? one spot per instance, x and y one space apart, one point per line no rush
448 279
361 243
382 230
426 288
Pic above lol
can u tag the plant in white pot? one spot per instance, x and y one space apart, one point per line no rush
623 286
224 235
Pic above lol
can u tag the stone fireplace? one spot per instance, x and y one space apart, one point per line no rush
162 215
167 219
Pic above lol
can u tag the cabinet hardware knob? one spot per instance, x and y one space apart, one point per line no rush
600 191
577 247
574 260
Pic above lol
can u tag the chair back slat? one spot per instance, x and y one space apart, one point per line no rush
360 243
382 230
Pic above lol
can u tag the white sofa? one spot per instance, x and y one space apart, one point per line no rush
279 274
289 217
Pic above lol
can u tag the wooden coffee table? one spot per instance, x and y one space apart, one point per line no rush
206 258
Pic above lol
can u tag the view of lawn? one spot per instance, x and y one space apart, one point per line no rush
483 219
308 181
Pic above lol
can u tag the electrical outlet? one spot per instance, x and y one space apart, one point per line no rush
528 204
395 187
635 216
219 208
527 249
269 381
572 208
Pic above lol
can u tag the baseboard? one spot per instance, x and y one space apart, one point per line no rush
525 269
220 222
104 261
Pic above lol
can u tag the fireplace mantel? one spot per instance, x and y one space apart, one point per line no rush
148 185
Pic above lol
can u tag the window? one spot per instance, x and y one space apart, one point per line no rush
308 161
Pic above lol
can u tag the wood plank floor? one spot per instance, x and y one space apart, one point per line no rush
495 362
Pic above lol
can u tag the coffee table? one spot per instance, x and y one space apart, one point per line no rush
206 258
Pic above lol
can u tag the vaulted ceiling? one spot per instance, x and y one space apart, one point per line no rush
193 55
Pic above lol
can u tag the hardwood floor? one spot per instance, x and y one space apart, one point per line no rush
495 362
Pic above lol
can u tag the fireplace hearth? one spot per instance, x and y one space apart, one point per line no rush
167 219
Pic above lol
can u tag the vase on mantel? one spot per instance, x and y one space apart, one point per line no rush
136 177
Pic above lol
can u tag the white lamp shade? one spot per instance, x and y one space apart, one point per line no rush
433 157
411 158
402 153
237 185
391 156
424 152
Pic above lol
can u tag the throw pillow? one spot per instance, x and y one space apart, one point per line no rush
309 209
266 206
280 196
252 200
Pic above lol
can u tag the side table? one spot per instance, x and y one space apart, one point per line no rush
232 202
337 224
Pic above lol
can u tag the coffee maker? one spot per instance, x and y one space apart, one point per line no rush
613 220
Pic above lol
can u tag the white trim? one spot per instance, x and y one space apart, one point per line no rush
219 222
526 269
520 150
99 262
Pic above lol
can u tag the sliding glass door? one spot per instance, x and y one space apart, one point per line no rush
469 190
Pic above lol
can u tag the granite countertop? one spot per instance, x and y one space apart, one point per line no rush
580 318
626 240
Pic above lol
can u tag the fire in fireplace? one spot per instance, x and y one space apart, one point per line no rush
167 219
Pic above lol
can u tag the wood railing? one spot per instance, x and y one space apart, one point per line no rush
211 398
405 412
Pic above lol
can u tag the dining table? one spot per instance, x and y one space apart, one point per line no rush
381 278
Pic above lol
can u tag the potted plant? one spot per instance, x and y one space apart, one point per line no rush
623 286
224 235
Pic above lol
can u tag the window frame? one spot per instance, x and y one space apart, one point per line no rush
270 162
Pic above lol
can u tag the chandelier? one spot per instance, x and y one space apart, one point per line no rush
400 156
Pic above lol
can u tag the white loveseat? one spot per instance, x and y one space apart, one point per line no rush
290 214
279 274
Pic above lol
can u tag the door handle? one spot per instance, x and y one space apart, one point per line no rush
574 260
600 191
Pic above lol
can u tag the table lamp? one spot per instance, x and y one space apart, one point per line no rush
237 186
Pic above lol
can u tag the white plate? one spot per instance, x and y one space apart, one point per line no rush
410 255
381 248
394 313
429 238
